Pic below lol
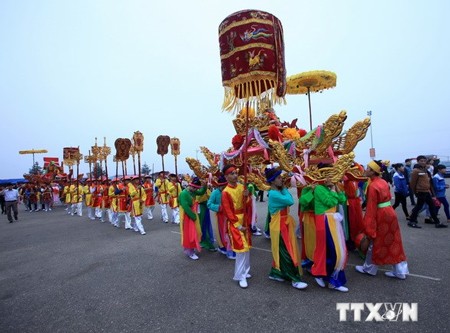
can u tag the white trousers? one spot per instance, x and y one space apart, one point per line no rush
254 216
164 215
241 265
77 208
149 212
115 219
138 224
106 212
176 215
127 218
369 267
90 212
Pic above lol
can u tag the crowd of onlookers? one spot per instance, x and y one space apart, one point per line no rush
424 181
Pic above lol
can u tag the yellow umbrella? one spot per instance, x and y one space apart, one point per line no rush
33 151
307 82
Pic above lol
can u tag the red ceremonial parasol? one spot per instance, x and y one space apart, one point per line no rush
252 61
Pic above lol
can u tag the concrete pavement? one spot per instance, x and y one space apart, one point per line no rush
60 273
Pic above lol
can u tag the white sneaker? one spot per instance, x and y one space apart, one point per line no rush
243 283
143 233
257 233
361 270
395 275
341 288
193 256
299 285
320 282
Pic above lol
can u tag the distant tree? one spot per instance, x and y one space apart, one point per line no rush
97 172
145 169
35 169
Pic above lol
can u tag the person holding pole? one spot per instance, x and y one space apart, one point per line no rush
162 184
150 201
138 196
235 201
174 189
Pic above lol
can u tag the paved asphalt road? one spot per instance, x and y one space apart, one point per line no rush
60 273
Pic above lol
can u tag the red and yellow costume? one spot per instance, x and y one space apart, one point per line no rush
174 189
122 199
138 197
163 191
233 208
148 188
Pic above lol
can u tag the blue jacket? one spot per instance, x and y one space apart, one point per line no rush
215 200
400 184
439 185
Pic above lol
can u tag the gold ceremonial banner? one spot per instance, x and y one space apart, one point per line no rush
123 147
162 142
175 146
138 142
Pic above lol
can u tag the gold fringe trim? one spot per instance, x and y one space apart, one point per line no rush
254 93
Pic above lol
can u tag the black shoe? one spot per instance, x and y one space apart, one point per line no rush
440 225
414 225
10 221
429 221
407 218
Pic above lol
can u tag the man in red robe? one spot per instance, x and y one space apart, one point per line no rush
381 227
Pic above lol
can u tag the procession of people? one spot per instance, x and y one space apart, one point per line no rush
322 249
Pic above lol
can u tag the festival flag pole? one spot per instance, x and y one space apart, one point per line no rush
138 147
162 142
96 152
88 159
106 151
123 152
117 167
78 157
175 151
133 154
69 161
246 143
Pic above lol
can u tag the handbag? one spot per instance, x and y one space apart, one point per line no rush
436 202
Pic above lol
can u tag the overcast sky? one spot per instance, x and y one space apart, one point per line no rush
71 71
